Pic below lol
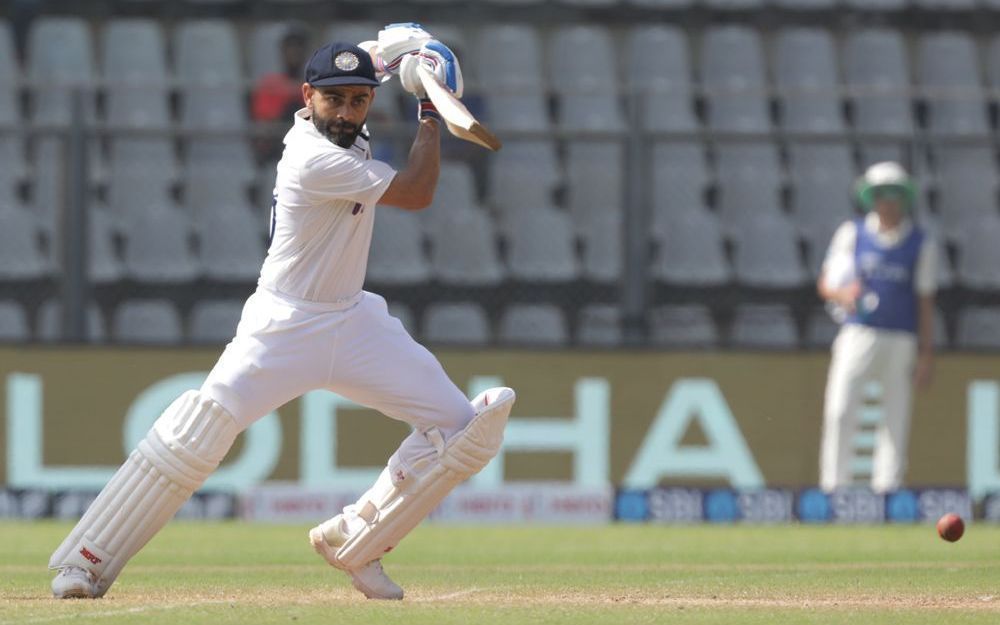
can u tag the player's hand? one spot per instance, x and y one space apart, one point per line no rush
923 373
847 297
440 61
396 41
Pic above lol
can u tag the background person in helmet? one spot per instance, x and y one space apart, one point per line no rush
880 277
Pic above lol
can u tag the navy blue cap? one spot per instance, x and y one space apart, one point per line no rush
340 63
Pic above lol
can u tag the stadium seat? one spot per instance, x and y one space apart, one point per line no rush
767 253
465 250
353 32
49 180
157 246
524 112
20 256
207 53
14 168
662 4
517 68
582 59
66 67
966 187
949 72
11 144
134 67
10 78
103 264
210 71
595 173
147 321
132 188
599 325
214 321
533 324
523 164
456 191
682 326
133 154
691 252
13 322
821 329
204 191
603 242
764 326
680 176
878 5
749 183
733 77
463 323
397 250
540 247
231 248
214 154
660 70
821 176
978 327
806 77
806 5
49 323
263 49
877 76
979 258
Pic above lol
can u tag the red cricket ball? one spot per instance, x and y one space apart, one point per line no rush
950 527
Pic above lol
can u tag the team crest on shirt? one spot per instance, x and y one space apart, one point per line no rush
347 61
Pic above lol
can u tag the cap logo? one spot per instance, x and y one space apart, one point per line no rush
347 61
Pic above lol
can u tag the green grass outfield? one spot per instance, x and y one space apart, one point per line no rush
225 573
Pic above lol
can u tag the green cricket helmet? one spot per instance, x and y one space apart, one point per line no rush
885 178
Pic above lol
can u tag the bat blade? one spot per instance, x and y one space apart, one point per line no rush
459 120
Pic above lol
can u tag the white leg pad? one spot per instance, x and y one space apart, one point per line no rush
404 495
182 449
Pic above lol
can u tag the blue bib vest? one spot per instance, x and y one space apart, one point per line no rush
888 300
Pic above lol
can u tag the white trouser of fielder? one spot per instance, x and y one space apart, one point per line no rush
283 348
860 355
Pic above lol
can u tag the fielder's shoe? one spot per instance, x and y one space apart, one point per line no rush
72 582
370 579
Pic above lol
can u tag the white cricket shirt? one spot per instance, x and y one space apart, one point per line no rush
323 214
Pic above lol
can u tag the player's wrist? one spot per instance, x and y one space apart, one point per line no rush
427 110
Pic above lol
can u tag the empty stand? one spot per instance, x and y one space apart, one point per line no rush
463 323
533 324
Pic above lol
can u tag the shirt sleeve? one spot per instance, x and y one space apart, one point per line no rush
340 175
842 244
925 280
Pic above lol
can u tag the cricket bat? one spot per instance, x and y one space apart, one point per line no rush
459 120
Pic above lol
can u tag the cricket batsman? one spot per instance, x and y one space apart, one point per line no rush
880 276
309 325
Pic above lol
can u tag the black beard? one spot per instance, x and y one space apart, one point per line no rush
338 133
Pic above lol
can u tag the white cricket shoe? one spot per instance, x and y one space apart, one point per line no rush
373 583
72 582
370 579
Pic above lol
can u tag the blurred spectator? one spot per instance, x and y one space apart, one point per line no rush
278 95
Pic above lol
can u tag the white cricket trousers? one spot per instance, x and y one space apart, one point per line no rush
860 355
285 347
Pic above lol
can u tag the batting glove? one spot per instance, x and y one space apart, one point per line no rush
395 41
440 61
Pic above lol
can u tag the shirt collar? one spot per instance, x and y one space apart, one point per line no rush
891 236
